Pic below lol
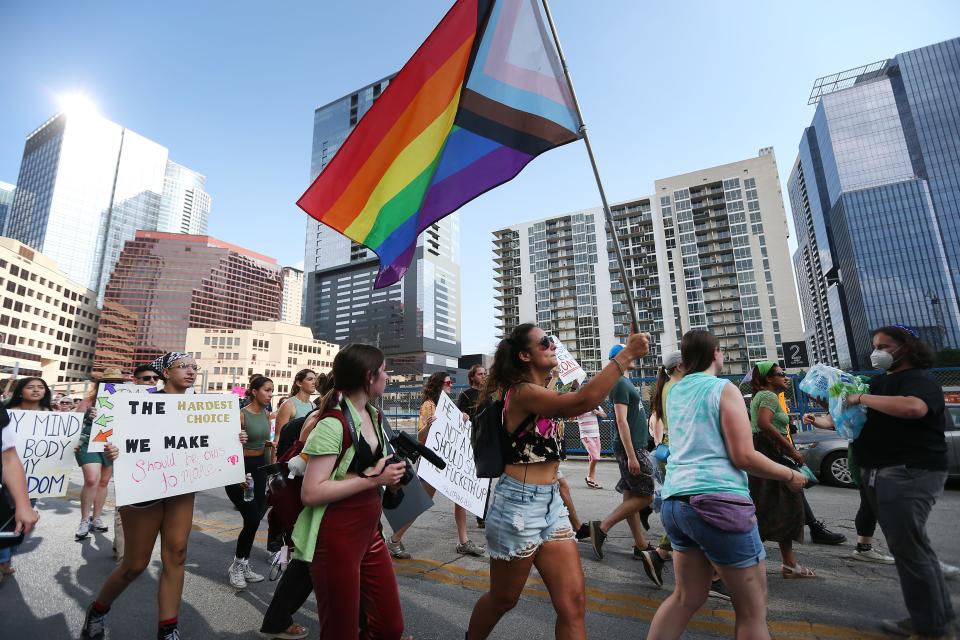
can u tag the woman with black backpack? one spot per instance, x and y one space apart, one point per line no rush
527 524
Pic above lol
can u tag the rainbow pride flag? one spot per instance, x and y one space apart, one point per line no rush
482 96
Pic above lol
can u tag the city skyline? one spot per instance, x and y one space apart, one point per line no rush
647 129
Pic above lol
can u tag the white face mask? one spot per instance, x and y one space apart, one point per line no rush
882 360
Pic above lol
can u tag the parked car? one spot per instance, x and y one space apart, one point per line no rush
825 452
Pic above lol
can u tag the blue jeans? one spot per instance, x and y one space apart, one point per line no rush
688 532
522 516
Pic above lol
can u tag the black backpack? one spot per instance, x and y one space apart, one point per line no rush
489 439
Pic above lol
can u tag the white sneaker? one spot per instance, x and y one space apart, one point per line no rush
83 530
98 525
949 571
248 573
872 555
235 572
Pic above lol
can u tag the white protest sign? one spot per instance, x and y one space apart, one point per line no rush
568 368
45 443
102 429
174 444
449 438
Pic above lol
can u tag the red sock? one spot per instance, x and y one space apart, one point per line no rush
166 624
100 609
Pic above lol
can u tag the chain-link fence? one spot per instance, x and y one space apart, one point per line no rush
402 405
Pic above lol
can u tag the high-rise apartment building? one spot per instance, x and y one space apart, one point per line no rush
7 191
708 251
875 193
48 324
278 350
87 184
416 321
728 265
291 309
165 283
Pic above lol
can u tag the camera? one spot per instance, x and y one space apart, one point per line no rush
408 451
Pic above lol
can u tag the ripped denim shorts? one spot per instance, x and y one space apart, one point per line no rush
523 516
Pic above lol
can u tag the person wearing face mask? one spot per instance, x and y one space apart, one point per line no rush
902 452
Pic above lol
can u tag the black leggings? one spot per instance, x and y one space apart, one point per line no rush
866 520
252 511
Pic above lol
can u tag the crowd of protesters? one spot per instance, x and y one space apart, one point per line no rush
726 474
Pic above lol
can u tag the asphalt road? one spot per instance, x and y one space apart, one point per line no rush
57 577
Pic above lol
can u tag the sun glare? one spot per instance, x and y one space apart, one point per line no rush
77 105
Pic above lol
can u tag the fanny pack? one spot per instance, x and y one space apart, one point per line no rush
725 511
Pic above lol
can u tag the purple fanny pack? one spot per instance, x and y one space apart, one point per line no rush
725 511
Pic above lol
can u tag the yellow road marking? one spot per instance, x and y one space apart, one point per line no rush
626 605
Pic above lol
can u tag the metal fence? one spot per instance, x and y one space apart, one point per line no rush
401 405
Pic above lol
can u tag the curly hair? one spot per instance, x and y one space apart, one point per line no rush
918 353
508 369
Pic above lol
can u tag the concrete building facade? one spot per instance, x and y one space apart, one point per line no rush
278 350
48 323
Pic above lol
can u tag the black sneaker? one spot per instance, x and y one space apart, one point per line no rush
819 534
583 532
653 566
719 590
168 633
481 524
92 626
597 536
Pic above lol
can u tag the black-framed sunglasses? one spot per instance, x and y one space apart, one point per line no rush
779 374
148 378
547 342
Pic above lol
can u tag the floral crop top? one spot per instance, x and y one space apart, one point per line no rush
537 439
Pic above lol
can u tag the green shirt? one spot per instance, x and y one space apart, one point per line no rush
625 393
257 426
768 400
325 440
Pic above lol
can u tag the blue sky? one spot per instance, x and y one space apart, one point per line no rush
230 89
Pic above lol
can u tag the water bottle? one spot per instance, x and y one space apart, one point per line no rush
248 492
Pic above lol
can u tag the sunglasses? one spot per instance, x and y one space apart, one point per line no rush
546 343
448 383
779 374
148 378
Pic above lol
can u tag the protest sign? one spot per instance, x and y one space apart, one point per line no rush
174 444
449 438
568 368
102 429
45 443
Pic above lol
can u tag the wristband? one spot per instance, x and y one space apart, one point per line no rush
619 366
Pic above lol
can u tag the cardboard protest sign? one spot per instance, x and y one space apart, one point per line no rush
568 367
45 443
449 438
174 444
102 429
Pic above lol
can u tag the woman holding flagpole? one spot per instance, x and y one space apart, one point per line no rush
527 524
170 519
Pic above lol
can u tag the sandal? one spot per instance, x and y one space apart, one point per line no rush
293 632
799 571
593 484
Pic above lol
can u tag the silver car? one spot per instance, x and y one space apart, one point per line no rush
825 452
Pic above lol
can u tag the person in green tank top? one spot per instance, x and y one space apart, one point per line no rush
255 422
780 514
298 403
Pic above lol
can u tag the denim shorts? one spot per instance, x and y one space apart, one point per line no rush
523 516
688 532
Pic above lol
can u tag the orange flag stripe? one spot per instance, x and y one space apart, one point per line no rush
428 105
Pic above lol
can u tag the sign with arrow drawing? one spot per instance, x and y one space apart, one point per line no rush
101 430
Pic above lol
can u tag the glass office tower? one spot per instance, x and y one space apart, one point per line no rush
87 184
876 203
